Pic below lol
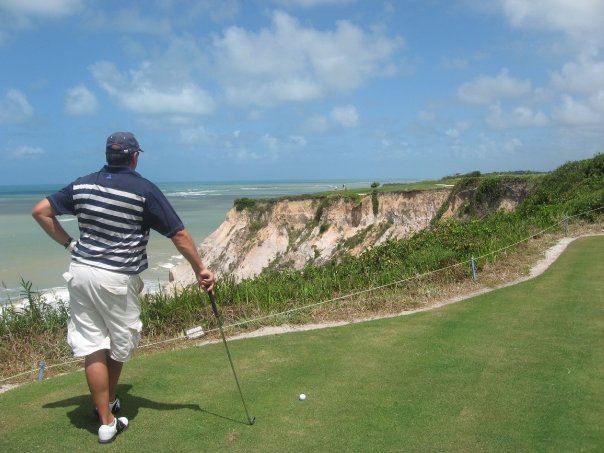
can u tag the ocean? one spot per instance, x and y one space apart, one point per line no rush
28 254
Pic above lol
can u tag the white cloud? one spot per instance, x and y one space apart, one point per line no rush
317 123
25 152
512 145
270 141
288 62
488 148
196 136
597 101
14 108
244 155
79 100
19 15
47 8
581 84
520 117
576 113
277 144
456 130
583 76
579 19
148 91
452 132
485 89
346 116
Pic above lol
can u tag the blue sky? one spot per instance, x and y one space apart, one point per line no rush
223 90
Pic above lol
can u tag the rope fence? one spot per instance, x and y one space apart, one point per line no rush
42 365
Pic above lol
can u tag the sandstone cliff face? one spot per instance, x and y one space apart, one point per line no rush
292 233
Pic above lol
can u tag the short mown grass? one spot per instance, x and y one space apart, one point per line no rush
517 369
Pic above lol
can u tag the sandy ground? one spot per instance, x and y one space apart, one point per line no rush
550 256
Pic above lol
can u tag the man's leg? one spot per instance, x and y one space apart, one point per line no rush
115 370
97 376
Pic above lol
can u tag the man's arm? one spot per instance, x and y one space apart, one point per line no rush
186 246
45 215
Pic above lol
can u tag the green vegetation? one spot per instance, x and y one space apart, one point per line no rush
36 317
482 195
256 225
375 204
574 188
320 208
518 369
244 203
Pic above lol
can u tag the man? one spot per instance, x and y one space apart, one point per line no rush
116 208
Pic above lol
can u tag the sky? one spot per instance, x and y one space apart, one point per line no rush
238 90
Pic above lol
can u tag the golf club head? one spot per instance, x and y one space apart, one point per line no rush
252 420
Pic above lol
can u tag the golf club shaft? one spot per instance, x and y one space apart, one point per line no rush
215 310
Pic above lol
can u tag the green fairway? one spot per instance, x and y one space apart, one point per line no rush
518 369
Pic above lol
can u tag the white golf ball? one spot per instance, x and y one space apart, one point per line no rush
302 397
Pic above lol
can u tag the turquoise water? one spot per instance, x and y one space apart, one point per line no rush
26 252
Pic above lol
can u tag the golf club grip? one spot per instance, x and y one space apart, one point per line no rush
213 302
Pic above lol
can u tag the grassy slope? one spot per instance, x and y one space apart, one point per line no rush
519 369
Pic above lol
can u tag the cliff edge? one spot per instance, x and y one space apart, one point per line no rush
290 233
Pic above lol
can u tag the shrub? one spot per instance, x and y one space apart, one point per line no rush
320 208
375 203
244 203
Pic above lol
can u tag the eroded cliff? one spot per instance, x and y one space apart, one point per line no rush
290 233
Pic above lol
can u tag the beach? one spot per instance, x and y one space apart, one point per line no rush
27 253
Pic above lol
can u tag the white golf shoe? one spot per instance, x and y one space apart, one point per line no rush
108 433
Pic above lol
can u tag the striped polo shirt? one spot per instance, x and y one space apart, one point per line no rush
116 208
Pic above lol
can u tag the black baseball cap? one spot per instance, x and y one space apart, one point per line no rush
122 142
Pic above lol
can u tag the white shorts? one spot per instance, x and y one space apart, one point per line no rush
105 311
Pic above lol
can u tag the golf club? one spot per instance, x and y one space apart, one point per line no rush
251 420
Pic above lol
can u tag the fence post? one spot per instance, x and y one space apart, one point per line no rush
473 270
566 225
41 367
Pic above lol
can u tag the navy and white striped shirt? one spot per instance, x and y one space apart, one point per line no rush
116 208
